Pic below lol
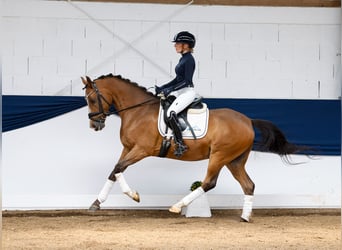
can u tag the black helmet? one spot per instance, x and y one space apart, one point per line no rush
185 37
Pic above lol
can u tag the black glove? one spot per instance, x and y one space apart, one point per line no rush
167 91
158 89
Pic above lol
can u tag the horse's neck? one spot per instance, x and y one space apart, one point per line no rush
127 95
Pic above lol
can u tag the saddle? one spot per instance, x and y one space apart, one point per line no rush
182 117
192 121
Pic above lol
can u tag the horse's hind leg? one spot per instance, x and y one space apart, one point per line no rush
237 168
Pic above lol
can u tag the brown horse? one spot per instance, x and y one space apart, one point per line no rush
228 141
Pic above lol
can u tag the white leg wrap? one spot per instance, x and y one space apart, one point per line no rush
123 184
192 196
176 208
105 191
247 207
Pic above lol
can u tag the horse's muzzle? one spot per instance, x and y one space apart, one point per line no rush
97 125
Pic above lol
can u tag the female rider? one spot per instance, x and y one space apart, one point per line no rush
181 86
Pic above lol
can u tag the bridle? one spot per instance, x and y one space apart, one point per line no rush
111 110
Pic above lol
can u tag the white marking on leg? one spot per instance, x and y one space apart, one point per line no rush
105 191
176 208
125 188
122 182
247 207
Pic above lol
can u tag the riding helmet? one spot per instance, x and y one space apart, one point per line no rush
185 37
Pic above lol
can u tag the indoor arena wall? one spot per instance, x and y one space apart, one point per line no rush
241 52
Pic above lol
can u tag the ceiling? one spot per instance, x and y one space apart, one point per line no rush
300 3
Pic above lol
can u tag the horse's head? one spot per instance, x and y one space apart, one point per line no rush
98 104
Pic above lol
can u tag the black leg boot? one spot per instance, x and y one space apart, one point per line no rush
178 138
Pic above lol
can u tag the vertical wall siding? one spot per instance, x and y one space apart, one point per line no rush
242 52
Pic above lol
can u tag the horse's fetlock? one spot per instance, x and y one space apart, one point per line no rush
207 186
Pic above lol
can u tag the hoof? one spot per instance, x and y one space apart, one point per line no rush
136 196
95 206
175 209
244 219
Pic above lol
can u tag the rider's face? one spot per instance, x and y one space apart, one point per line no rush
181 47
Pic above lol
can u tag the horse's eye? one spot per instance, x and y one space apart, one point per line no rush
90 100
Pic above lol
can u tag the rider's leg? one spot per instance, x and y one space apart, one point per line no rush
184 97
177 134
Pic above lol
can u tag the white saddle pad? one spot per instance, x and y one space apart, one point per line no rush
198 119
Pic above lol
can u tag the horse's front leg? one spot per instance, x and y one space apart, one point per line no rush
125 188
126 159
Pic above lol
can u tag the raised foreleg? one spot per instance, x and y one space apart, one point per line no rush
128 157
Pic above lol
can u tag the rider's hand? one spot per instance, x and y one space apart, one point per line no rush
157 89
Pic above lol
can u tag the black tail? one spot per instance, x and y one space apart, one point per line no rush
273 140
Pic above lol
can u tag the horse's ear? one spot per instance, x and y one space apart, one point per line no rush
86 81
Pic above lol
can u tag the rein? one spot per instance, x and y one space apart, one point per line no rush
108 113
133 106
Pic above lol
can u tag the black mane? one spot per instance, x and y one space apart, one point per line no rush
110 75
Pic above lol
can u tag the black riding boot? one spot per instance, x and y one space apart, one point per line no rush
177 133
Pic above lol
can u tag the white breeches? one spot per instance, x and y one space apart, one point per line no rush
184 97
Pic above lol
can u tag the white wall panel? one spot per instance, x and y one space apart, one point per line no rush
129 68
92 30
236 32
296 38
267 33
93 62
57 47
328 88
71 66
210 32
53 83
308 89
15 65
212 69
151 71
299 33
28 85
42 66
128 30
86 47
71 28
30 46
252 51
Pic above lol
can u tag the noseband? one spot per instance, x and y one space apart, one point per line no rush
111 111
